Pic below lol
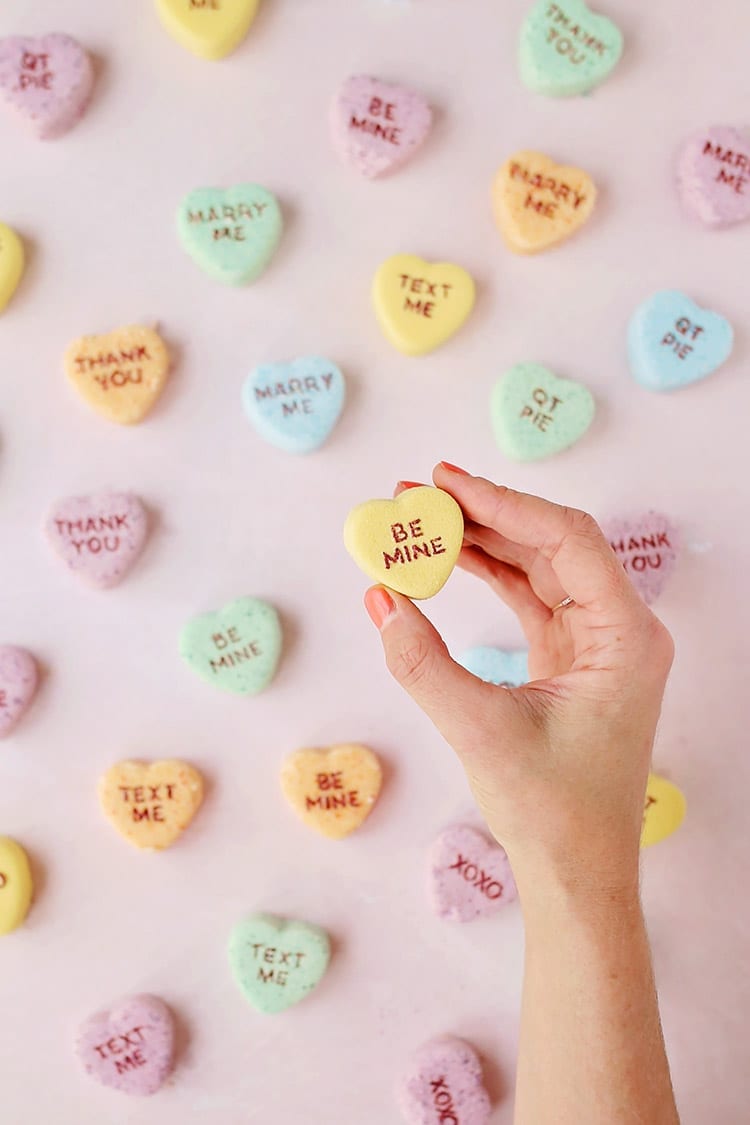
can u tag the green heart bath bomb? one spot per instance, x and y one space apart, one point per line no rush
237 648
230 233
566 48
276 962
536 414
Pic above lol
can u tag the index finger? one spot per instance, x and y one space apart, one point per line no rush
570 540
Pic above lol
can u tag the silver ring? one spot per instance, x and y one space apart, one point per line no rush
563 604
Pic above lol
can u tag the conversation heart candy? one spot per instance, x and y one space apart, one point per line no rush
46 80
12 262
98 537
538 203
16 885
208 28
536 414
151 803
419 304
120 374
444 1086
295 405
673 342
469 876
129 1047
276 962
332 791
497 665
378 126
237 648
411 543
713 176
648 547
230 233
664 810
19 678
566 48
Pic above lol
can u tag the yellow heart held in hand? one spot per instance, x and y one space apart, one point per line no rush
208 28
419 304
12 262
332 791
15 885
664 811
411 543
120 374
151 804
538 203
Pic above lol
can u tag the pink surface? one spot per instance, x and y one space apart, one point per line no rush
234 516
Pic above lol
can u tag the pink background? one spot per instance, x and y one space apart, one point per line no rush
233 516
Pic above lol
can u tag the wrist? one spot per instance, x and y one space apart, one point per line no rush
594 887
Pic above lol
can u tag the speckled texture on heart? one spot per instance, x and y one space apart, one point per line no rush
419 304
713 176
12 263
47 80
470 877
151 803
19 678
443 1086
16 885
237 648
295 405
535 414
119 374
648 546
130 1047
210 29
539 203
98 537
275 962
673 342
496 665
377 126
231 233
664 810
332 791
567 49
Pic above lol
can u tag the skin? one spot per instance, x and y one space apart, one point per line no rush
559 770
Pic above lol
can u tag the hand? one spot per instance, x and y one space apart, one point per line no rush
558 767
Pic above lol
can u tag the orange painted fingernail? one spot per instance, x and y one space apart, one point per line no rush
380 605
454 469
403 484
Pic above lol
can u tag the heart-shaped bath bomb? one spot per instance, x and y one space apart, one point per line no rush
673 342
208 28
130 1047
120 374
444 1086
497 665
151 803
19 678
295 405
276 962
648 546
419 304
664 810
47 81
377 126
538 203
411 543
536 414
332 791
12 262
566 48
237 648
713 176
98 537
231 233
470 877
16 885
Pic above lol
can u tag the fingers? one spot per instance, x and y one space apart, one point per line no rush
510 584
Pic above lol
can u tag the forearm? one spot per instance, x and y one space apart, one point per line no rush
591 1049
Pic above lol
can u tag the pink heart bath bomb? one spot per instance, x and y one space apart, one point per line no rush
18 683
648 546
713 175
444 1086
130 1047
377 126
469 876
98 537
47 80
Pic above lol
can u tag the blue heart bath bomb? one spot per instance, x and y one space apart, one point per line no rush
295 405
673 342
497 665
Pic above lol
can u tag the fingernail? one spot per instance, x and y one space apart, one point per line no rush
402 484
454 469
380 605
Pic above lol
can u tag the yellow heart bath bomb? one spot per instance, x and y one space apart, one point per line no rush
332 791
664 811
419 304
151 804
120 374
15 885
208 28
12 262
411 543
538 203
